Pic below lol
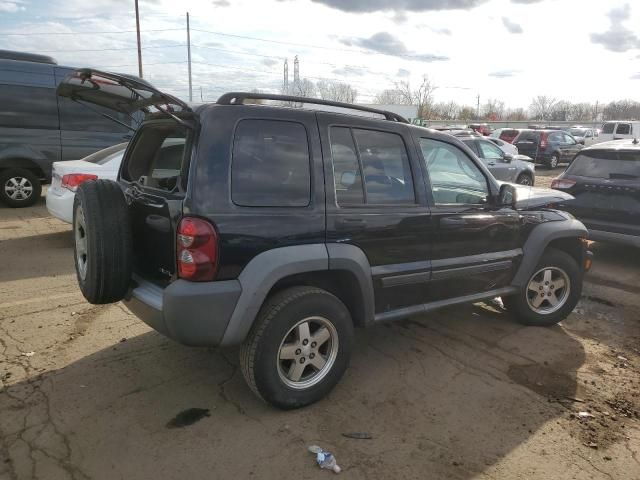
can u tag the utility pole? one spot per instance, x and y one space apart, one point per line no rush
285 80
189 58
478 108
139 46
595 117
201 97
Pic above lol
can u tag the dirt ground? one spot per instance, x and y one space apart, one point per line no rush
90 392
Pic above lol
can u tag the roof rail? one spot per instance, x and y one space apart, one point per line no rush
238 98
26 57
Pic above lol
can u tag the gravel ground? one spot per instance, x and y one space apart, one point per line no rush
90 392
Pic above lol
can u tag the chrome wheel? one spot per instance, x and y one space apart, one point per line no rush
548 290
307 352
525 180
553 163
81 242
18 188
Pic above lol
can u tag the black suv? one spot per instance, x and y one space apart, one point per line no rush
549 147
37 127
605 181
281 228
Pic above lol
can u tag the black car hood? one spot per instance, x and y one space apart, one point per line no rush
534 197
123 93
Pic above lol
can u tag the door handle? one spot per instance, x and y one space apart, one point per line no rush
351 222
492 164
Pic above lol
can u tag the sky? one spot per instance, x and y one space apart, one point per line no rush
510 50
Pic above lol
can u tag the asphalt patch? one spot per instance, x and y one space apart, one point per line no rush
188 417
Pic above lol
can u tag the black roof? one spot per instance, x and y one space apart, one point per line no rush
26 57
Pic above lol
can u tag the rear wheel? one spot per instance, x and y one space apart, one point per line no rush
19 187
553 161
102 245
525 179
298 348
552 292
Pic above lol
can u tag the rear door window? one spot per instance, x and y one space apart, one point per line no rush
28 107
606 165
385 164
346 169
623 129
271 164
159 156
528 136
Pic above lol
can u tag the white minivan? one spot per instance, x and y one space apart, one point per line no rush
619 130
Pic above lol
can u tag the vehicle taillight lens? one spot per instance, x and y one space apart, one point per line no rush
197 250
72 180
543 141
562 183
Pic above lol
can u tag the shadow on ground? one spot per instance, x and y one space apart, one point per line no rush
450 395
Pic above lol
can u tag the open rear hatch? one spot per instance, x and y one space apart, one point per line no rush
155 165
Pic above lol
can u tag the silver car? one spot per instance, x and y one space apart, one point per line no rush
504 166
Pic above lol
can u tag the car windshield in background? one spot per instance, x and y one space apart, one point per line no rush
103 156
608 127
605 164
578 132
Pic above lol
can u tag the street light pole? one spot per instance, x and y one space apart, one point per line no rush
189 58
139 46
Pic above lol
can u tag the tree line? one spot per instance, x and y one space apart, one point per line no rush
542 107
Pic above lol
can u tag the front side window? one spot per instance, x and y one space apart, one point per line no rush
490 151
608 128
271 164
454 178
623 129
569 139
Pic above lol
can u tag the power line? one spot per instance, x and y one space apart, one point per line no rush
29 34
112 49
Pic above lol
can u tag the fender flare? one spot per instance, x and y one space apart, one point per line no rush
538 241
22 156
267 268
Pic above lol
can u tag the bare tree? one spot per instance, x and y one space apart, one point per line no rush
541 107
422 97
303 88
336 91
622 109
466 114
516 114
391 96
493 109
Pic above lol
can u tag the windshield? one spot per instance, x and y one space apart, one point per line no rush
103 156
578 132
607 165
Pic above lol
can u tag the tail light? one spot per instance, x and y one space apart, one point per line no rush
543 140
73 180
562 183
197 250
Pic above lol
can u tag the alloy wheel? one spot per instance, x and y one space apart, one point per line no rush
548 290
18 188
80 233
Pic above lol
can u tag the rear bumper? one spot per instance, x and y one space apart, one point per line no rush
612 237
190 313
61 206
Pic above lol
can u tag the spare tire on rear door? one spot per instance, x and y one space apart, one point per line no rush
102 247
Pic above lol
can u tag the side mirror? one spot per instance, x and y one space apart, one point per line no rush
348 179
507 196
508 157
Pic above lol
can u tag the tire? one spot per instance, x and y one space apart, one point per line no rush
525 179
19 187
553 161
273 378
563 267
102 241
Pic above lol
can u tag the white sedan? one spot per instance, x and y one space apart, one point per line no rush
66 176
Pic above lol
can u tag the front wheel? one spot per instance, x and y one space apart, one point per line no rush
19 187
551 293
553 161
525 179
298 348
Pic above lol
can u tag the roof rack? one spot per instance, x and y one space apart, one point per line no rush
26 57
238 98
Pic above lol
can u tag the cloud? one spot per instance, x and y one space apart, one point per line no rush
366 6
400 17
618 38
10 7
636 76
270 62
526 2
512 27
384 42
221 3
504 73
402 72
349 70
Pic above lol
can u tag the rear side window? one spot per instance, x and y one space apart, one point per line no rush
158 157
608 127
270 166
77 117
623 129
528 136
607 165
370 167
28 107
